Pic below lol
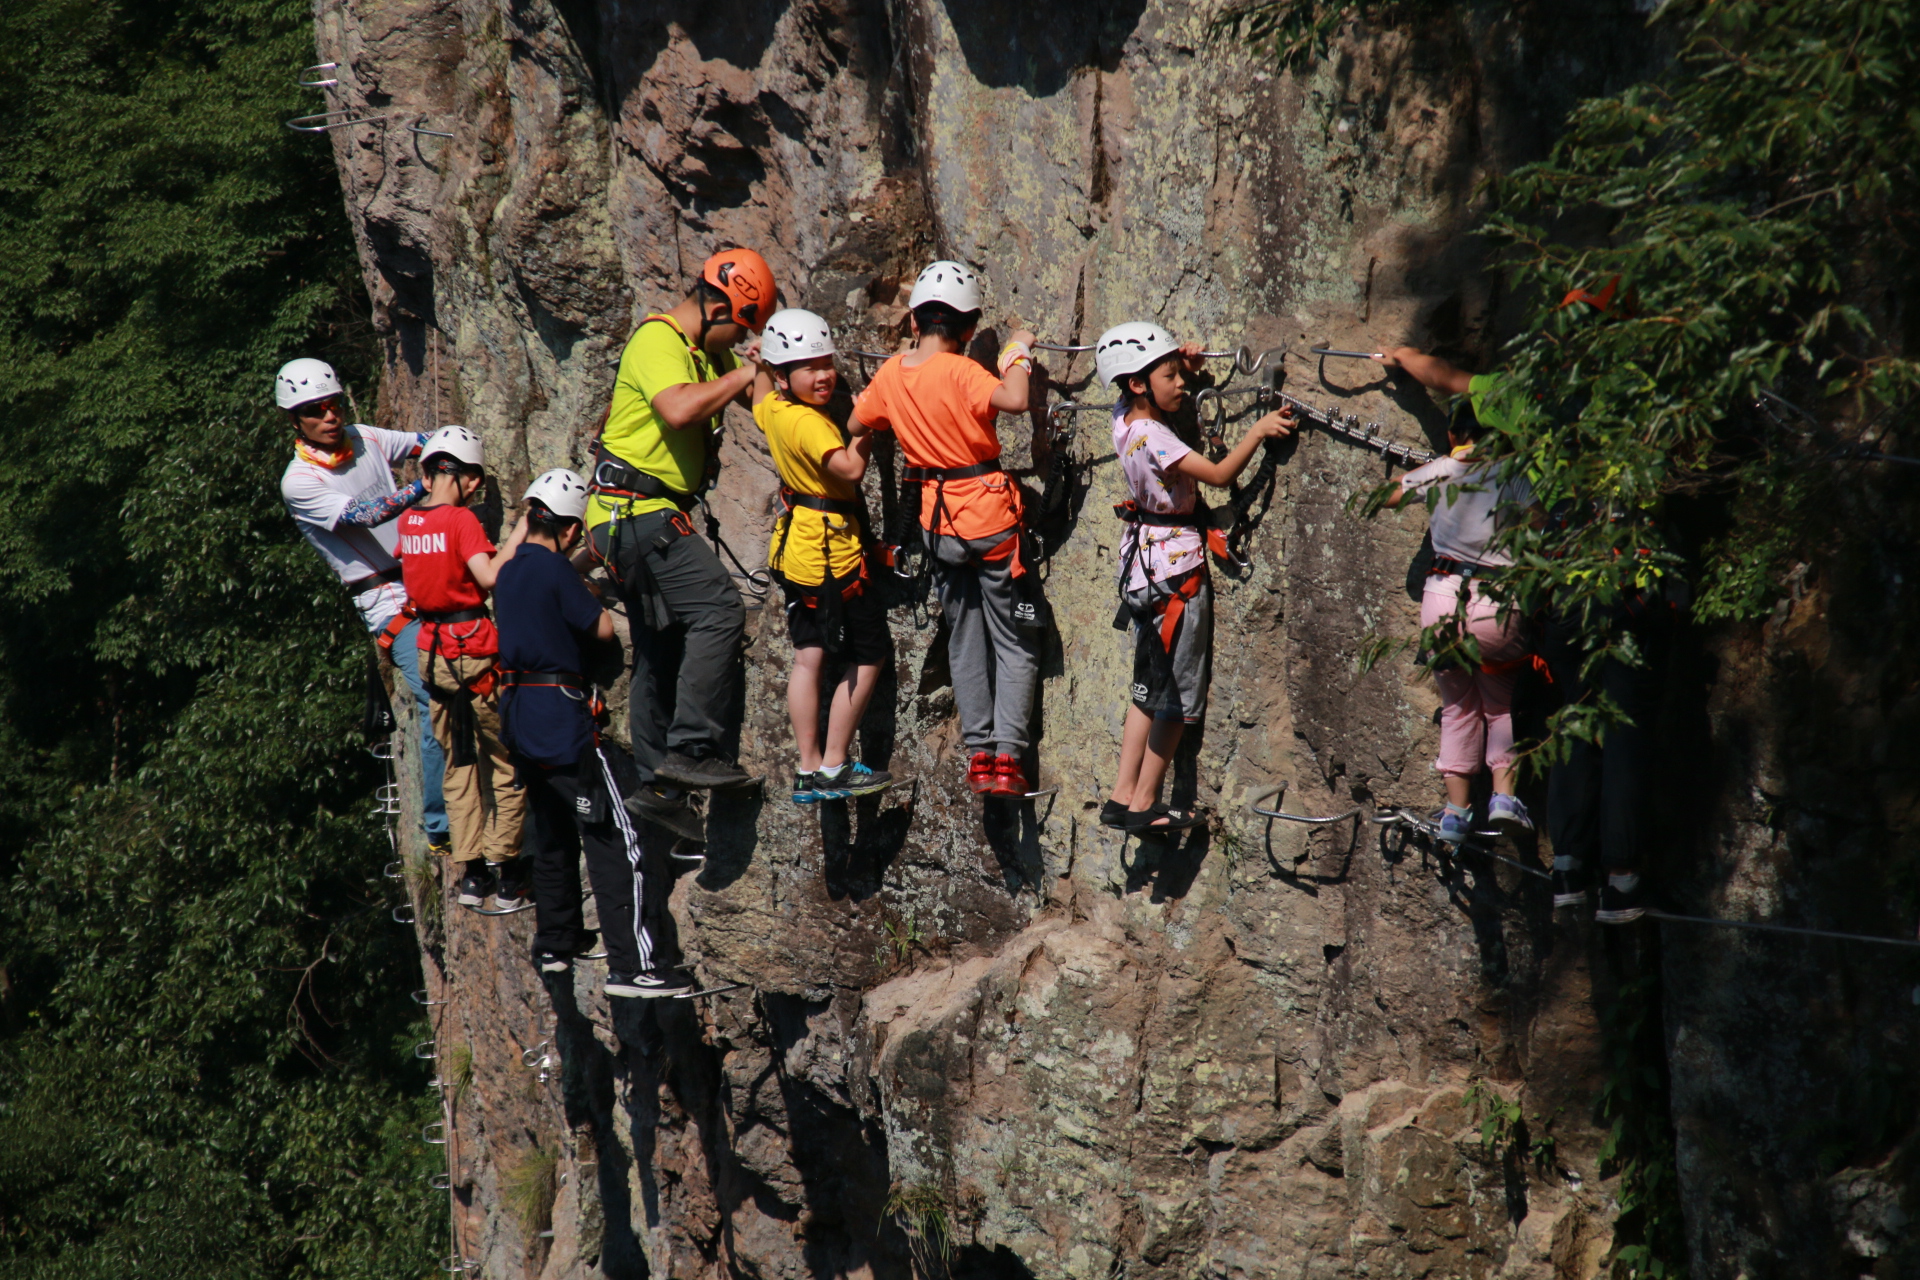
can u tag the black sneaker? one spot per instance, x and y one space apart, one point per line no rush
476 886
850 780
562 961
669 810
515 882
649 984
1621 906
804 791
1113 814
700 775
1569 883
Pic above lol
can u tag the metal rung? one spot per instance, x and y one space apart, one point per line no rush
431 133
440 1141
1044 791
394 871
440 1181
329 82
433 1053
420 997
1059 346
594 955
1431 830
387 793
1254 805
500 911
381 750
1348 355
386 810
454 1264
406 919
304 124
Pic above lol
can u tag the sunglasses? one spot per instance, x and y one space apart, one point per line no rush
320 408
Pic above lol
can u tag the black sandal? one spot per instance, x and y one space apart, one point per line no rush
1148 821
1113 814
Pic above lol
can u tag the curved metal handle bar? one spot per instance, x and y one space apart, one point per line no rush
431 133
394 870
426 1057
1347 355
500 911
387 792
406 919
1249 364
305 83
440 1141
1060 346
531 1058
304 124
1254 805
1044 791
440 1181
420 998
381 750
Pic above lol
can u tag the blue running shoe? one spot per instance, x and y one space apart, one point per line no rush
850 780
1455 825
1509 815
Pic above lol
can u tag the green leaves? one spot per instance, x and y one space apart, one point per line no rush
198 1071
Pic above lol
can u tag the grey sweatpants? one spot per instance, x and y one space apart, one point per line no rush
995 665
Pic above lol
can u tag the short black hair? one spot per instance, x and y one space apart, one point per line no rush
542 521
1465 423
1142 374
937 319
707 294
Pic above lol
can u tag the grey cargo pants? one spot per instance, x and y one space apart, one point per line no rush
995 665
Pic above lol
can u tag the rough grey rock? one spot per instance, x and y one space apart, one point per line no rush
1015 1044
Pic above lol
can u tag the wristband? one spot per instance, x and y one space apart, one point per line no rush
1021 355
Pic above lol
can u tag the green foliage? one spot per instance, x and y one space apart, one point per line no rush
1757 206
529 1189
922 1209
198 1073
1649 1234
902 936
1295 32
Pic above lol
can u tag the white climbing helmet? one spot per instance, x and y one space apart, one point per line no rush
958 286
458 443
1128 348
794 335
561 492
303 381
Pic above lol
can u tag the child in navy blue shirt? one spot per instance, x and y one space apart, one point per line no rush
544 612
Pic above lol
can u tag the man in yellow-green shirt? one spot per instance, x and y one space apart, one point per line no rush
652 461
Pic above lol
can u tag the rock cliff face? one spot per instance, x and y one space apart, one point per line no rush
1012 1044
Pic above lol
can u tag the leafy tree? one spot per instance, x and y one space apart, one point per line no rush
202 1062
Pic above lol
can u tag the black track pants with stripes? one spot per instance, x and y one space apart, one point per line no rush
577 807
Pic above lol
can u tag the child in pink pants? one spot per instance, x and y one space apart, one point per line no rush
1469 504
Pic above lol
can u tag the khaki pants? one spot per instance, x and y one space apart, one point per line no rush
484 808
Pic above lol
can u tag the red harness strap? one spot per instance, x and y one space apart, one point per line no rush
1175 604
395 625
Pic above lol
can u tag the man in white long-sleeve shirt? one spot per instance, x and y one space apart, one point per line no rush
339 488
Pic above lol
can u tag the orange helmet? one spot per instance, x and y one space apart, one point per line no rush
747 280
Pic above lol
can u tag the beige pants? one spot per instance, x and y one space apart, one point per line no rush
484 808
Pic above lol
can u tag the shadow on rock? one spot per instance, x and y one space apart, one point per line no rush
1005 48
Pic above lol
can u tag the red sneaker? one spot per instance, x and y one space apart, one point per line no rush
980 772
1008 779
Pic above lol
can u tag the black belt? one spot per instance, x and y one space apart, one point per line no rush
1196 519
543 680
451 616
373 580
1442 565
812 502
921 475
618 478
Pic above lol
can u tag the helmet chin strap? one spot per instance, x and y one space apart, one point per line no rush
706 323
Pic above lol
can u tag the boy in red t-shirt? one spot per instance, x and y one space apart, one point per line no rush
941 406
450 564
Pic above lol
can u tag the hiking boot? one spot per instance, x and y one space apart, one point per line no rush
1569 883
476 886
804 789
649 984
700 775
980 772
1008 778
1455 825
1113 814
1509 816
668 810
440 846
850 780
514 884
1621 905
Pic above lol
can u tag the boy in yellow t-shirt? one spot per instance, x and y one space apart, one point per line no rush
818 555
